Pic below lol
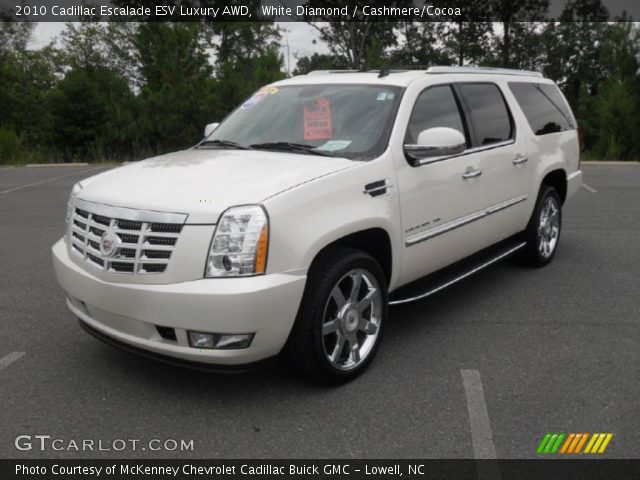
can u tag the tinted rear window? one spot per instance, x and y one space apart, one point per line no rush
543 105
489 114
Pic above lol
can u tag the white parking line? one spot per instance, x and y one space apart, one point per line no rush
9 190
588 188
481 434
9 359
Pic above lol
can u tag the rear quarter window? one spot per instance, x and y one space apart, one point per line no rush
544 107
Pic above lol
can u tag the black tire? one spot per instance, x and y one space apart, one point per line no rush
540 248
308 349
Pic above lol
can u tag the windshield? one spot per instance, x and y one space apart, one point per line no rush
347 120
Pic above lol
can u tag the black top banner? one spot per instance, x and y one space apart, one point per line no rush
316 10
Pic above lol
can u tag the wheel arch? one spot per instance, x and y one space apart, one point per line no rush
556 178
374 241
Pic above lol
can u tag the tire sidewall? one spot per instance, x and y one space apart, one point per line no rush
354 260
532 229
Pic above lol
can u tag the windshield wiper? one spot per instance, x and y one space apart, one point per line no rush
225 143
291 147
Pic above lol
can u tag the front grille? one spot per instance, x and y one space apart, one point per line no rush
142 247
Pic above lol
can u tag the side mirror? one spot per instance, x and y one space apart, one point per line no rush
436 142
208 130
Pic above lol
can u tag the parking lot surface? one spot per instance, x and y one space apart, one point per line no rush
484 368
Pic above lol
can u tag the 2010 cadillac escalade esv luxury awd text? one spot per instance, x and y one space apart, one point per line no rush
288 228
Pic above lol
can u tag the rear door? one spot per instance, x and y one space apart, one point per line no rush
503 152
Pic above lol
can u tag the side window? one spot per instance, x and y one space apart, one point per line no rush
490 117
435 107
543 105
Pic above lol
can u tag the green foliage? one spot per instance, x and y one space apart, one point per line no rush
8 145
318 61
121 91
176 95
248 58
420 44
616 111
92 115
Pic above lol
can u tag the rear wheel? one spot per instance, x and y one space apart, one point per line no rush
339 324
543 231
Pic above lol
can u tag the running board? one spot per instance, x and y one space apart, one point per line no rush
445 277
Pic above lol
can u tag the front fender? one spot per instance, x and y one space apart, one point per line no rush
306 219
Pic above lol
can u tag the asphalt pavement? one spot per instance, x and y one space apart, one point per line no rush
484 368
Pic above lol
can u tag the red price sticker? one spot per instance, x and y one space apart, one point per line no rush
317 120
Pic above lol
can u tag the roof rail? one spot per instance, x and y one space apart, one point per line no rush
375 70
489 70
325 72
439 69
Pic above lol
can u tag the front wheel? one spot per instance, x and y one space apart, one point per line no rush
339 325
543 231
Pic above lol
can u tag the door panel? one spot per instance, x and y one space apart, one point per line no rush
505 165
439 214
507 173
441 198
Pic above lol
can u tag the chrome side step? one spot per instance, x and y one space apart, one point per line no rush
456 279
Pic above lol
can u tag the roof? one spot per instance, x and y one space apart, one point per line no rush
396 77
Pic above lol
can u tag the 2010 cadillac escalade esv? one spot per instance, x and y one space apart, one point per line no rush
292 224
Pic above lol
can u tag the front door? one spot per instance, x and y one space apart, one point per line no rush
441 199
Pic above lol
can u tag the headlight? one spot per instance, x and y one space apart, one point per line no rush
240 242
72 196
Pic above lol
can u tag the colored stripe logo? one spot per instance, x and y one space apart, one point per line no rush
573 443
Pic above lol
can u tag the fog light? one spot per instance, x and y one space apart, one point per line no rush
201 340
219 341
234 341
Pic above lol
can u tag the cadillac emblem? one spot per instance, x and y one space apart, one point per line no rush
108 244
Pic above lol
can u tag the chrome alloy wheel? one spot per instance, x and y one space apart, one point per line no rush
351 320
549 227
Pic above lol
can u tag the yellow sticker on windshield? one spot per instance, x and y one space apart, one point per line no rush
258 96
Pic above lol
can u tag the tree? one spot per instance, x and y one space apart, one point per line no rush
354 44
420 45
513 15
104 45
92 110
26 78
468 42
616 110
176 91
573 47
525 51
359 44
247 58
317 61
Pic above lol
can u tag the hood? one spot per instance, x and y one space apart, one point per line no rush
204 182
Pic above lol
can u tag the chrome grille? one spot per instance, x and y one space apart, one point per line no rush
145 239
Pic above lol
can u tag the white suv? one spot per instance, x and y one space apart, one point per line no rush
294 224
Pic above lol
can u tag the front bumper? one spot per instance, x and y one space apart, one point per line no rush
129 313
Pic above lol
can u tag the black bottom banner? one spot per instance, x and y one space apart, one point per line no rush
544 469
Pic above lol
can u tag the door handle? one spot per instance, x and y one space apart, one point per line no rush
471 172
520 159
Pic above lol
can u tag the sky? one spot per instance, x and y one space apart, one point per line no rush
299 35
